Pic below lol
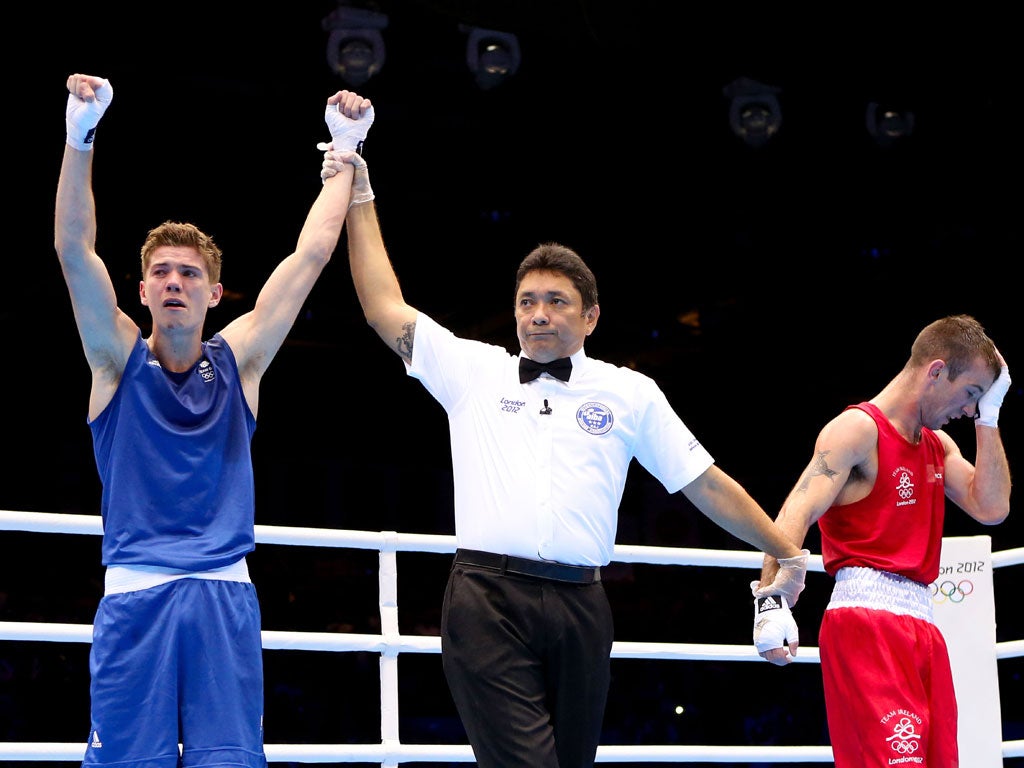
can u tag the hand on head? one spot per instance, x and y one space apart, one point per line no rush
987 414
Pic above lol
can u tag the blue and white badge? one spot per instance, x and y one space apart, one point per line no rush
595 418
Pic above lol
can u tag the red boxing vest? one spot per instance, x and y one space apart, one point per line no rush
897 527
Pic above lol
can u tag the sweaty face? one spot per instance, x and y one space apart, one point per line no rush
950 400
549 316
177 289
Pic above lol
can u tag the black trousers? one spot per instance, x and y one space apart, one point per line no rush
528 664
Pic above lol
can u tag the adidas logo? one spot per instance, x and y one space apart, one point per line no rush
768 603
96 743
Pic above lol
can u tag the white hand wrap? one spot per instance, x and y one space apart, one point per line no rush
83 116
774 626
992 400
789 581
347 134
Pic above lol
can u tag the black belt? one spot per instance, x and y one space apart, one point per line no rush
520 566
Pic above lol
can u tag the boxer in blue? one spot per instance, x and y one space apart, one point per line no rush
176 653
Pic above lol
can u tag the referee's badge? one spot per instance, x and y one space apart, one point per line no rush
595 418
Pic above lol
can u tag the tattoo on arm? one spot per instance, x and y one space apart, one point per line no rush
818 467
403 344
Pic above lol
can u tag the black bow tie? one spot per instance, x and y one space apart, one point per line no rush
531 369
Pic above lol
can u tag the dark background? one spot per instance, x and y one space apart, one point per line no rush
764 288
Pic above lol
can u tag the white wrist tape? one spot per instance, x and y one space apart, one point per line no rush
774 626
82 117
992 400
347 134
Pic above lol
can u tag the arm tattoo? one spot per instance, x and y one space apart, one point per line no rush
819 467
403 344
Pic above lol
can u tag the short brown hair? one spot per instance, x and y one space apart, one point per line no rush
957 339
183 234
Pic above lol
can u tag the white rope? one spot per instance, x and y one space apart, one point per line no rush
390 644
373 753
340 642
43 522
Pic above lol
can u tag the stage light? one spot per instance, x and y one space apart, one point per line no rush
492 56
355 46
888 126
754 112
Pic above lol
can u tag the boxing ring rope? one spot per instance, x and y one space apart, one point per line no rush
390 644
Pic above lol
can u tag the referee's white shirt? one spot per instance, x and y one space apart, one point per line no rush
547 486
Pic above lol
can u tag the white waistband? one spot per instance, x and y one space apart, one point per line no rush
131 578
858 587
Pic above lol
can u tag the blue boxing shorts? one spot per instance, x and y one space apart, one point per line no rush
178 663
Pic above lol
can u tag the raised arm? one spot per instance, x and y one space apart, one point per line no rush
256 336
376 284
107 333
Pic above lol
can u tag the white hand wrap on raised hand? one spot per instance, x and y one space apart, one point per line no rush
774 626
83 116
347 133
992 400
789 581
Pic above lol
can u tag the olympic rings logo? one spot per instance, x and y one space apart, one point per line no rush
905 747
901 739
905 488
952 592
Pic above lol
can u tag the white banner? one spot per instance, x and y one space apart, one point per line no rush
965 612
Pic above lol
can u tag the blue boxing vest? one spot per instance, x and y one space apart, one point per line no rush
173 453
